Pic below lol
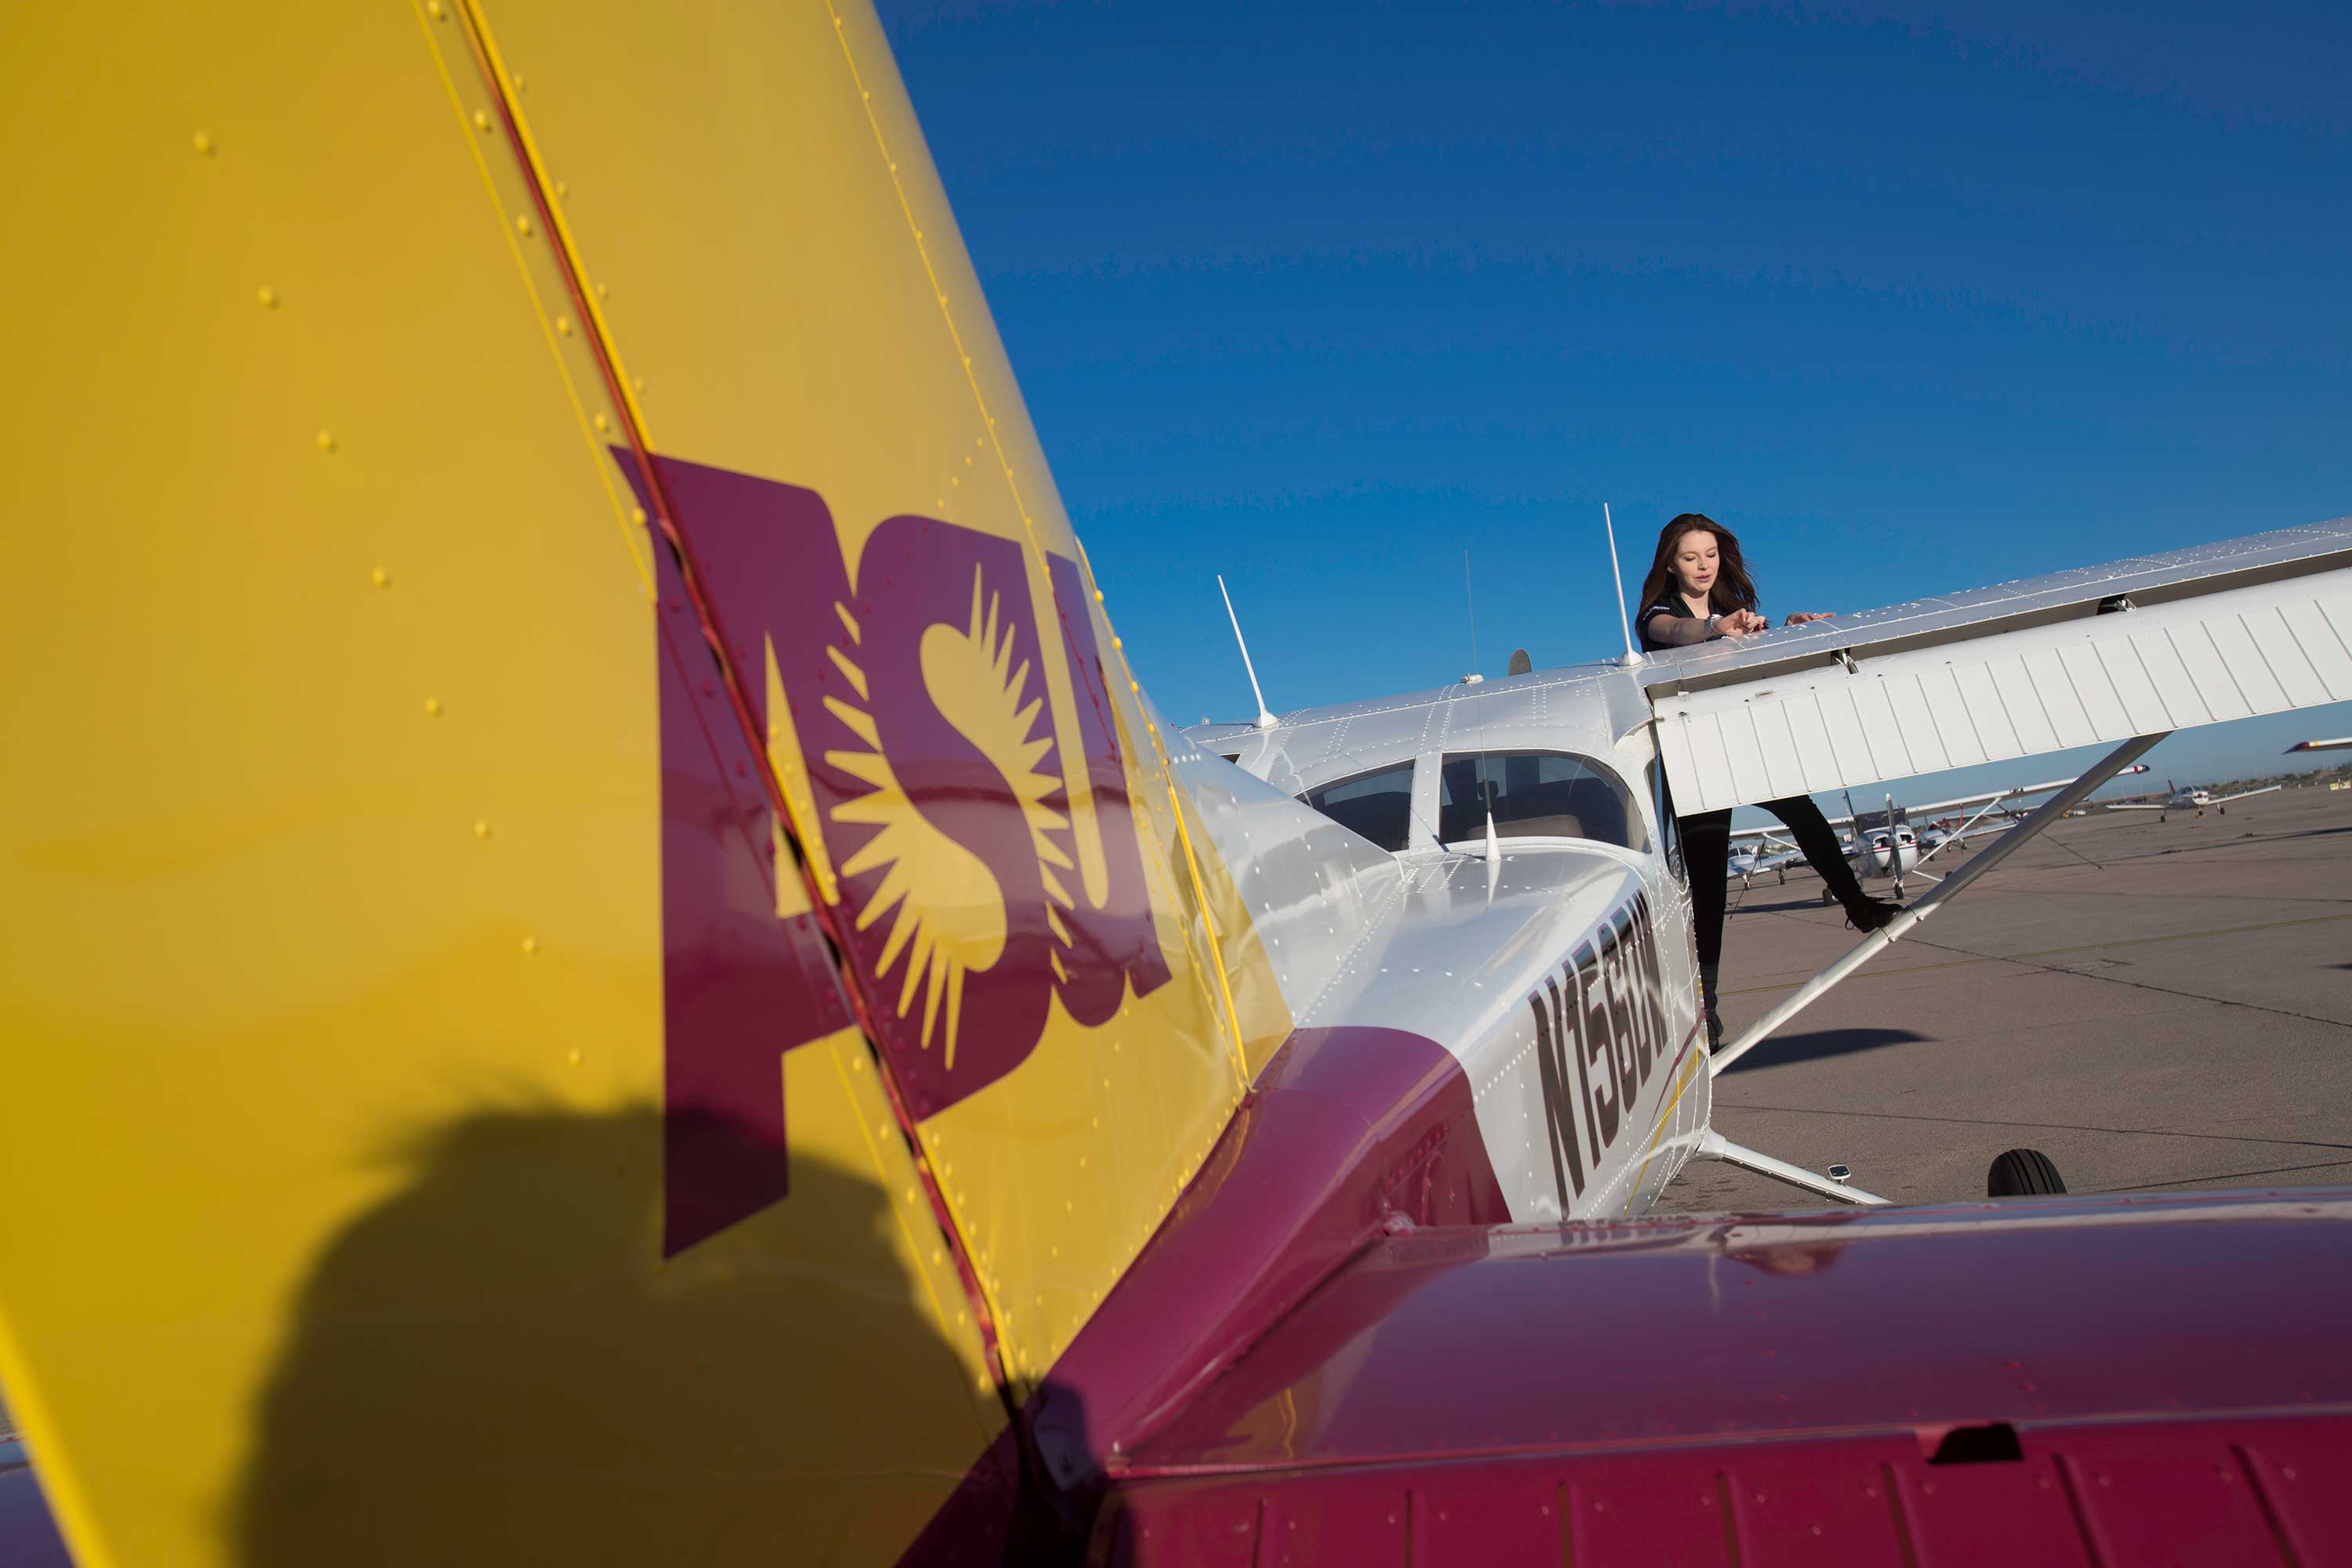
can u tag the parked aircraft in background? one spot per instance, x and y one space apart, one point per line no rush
1885 852
1884 843
610 962
1870 848
2191 799
1769 853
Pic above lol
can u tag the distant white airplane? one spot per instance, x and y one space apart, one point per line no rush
2335 745
2187 800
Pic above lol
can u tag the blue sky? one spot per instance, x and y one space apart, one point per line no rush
1914 299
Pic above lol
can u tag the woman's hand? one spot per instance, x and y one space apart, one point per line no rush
1741 623
1802 616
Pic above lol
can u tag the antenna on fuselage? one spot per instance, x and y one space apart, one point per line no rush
1471 600
1617 581
1266 720
1485 784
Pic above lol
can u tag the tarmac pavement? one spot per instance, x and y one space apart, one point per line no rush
2156 1006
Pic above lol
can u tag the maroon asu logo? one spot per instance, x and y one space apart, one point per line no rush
971 806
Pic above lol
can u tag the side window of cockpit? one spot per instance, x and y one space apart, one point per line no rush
1534 795
1378 805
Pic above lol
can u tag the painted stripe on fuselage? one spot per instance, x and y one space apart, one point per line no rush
1667 1112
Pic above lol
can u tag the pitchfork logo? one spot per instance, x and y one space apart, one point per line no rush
946 719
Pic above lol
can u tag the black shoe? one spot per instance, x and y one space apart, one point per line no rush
1868 914
1714 1031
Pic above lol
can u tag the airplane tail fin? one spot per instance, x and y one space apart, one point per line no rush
598 862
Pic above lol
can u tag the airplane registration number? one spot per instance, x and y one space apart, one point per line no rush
1600 1037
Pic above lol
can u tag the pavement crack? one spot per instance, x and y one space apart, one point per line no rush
2222 1176
2043 1126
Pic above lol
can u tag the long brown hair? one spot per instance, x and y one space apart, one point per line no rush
1732 589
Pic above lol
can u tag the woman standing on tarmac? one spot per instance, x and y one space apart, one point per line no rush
1697 590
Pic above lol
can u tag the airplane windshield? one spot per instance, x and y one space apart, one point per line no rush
1534 795
1378 805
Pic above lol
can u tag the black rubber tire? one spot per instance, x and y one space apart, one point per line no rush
2021 1173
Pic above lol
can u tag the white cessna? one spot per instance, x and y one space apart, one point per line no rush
2187 800
1492 865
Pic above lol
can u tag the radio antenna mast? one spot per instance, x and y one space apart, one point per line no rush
1471 600
1485 784
1266 720
1617 581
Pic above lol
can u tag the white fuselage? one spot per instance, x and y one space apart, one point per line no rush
1559 970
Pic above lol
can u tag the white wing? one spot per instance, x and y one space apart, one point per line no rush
2015 791
1778 838
2139 647
2241 794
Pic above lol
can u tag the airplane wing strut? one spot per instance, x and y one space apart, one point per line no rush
2054 809
1960 834
1715 1146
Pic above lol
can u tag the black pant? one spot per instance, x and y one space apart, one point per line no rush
1706 856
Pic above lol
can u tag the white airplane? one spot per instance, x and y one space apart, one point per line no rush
1525 785
1886 852
1872 852
2335 745
1768 852
2191 799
